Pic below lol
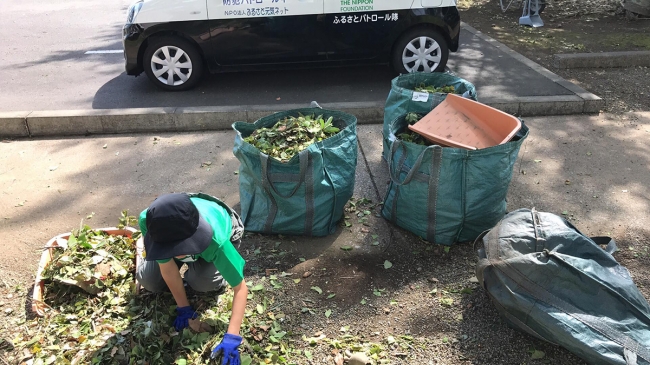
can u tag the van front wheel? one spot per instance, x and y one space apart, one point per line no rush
173 63
420 50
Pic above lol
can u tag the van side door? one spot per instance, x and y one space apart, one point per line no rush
266 31
362 29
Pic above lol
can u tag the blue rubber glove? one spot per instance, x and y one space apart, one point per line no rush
227 349
184 314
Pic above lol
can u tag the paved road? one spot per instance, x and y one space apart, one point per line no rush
44 67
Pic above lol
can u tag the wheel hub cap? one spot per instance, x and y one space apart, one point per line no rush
421 54
171 65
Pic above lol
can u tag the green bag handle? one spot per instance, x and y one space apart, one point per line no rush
266 178
305 175
432 189
416 166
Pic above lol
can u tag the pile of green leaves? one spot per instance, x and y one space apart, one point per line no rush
412 118
291 135
93 315
94 261
408 135
446 89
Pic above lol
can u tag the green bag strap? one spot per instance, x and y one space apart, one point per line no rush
304 176
599 240
631 347
309 200
266 178
434 179
416 166
432 196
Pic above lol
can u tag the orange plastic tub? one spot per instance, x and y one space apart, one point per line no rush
465 123
61 242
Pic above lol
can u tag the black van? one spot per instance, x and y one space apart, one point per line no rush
174 41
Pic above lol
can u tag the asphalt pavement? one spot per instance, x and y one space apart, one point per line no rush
69 79
48 73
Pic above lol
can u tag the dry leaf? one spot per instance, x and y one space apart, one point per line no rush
198 326
104 269
338 359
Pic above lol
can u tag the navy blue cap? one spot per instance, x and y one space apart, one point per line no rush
175 228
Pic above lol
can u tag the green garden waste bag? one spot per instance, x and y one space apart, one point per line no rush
549 280
306 195
445 194
404 99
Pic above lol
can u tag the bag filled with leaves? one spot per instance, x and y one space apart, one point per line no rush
419 93
463 192
297 170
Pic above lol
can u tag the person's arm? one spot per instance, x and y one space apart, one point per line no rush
238 307
172 277
227 349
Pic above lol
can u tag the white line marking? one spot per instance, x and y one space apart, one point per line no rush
103 51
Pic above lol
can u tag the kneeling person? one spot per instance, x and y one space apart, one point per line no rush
177 229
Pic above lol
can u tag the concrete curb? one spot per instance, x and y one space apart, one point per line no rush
191 119
56 123
14 124
141 120
602 60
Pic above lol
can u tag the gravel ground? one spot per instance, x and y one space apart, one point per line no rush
575 27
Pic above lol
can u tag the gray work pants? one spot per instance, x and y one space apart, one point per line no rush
202 276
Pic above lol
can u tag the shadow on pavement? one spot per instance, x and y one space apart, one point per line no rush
341 84
496 75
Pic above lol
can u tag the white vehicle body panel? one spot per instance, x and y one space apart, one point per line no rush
435 3
233 9
160 11
354 6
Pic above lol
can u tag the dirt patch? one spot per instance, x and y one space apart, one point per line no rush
405 302
574 27
634 253
427 308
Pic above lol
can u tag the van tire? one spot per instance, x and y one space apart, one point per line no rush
186 67
432 59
